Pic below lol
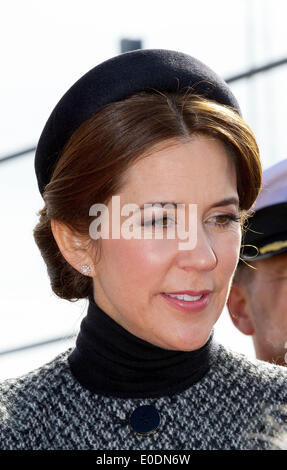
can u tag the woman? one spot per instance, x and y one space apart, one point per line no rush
150 127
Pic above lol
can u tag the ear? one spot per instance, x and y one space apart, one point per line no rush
71 246
239 309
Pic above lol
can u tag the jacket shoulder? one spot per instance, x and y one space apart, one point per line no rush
253 375
27 400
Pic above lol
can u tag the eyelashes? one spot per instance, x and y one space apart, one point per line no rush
155 221
229 219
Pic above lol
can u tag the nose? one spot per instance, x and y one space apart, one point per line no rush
202 257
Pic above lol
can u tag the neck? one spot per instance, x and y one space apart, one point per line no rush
110 360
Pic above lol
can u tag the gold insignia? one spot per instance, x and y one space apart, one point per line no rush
273 247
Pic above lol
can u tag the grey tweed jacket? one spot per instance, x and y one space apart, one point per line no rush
238 404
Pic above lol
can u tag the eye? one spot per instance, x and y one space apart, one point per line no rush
160 220
224 220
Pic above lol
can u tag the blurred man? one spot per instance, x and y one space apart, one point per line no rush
258 298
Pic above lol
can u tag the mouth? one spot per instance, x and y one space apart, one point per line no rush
188 301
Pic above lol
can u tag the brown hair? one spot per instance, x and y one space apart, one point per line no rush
92 165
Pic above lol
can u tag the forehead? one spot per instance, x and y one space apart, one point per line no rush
276 264
196 167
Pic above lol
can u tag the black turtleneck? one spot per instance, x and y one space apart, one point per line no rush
111 361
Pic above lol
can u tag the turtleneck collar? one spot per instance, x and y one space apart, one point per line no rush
111 361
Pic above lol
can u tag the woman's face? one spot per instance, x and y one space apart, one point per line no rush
133 274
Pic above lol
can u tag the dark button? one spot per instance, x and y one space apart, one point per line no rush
145 419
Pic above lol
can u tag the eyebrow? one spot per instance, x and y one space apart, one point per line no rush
224 202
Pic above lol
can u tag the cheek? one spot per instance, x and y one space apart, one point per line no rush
135 263
227 251
277 301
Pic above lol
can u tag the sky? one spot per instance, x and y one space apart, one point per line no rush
45 47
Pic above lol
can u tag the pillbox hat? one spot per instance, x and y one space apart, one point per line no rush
116 79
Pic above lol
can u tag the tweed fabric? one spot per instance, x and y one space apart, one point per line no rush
239 404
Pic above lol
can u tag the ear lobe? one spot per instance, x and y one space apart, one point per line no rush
239 310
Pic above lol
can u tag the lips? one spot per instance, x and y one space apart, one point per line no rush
193 293
200 302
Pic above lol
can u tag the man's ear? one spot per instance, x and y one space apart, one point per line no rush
239 309
71 246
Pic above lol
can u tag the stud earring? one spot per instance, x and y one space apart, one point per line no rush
85 269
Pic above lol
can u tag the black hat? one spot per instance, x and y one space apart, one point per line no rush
116 79
267 229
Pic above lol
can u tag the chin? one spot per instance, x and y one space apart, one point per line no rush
186 344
